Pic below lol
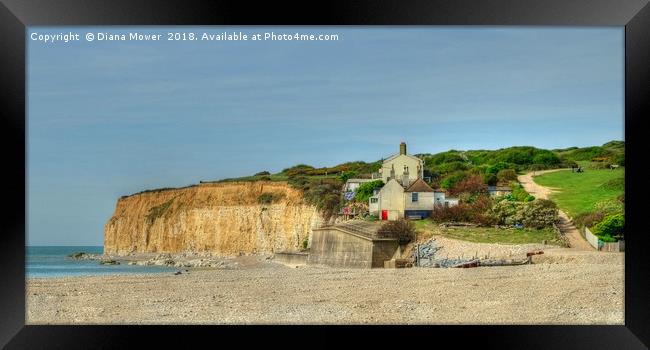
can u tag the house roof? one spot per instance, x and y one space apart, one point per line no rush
499 188
398 154
419 186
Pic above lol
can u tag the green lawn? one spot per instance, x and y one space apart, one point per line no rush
580 191
427 228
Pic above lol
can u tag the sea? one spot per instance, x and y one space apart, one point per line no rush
53 261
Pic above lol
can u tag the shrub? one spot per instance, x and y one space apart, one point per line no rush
519 194
620 160
269 198
506 175
298 182
475 212
264 178
610 206
366 190
347 175
305 243
507 212
536 214
494 169
614 184
611 226
262 173
588 219
546 158
490 179
451 180
543 167
325 196
300 169
402 229
539 213
472 185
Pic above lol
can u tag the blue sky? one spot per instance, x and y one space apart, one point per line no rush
107 119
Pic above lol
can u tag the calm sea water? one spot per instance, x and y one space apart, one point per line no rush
52 261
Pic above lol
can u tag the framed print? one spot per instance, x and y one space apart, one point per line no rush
440 168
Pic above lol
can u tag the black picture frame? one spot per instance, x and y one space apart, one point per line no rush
15 15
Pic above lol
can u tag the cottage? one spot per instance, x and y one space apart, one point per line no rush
405 194
352 184
402 167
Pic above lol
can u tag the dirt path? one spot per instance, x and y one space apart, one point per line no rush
565 225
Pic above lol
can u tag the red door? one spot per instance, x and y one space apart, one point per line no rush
384 214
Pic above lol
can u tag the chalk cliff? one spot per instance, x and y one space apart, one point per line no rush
223 218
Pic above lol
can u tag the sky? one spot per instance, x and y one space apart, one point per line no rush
110 118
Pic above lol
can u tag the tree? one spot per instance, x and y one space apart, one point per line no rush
347 175
472 185
450 180
367 189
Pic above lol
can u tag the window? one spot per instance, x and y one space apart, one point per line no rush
373 200
414 197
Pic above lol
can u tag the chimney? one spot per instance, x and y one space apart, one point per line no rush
405 177
402 148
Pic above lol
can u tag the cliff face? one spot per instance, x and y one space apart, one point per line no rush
223 218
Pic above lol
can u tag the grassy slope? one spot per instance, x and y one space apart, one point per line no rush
487 234
580 191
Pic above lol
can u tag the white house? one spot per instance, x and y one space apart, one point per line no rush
402 167
405 194
352 184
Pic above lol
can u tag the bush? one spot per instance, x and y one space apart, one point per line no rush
610 206
366 190
305 243
451 180
614 184
611 226
347 175
262 173
506 175
325 196
300 169
519 194
620 160
588 219
472 185
298 182
536 214
475 212
402 229
539 213
490 179
269 198
264 178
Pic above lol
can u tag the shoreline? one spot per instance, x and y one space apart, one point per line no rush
561 287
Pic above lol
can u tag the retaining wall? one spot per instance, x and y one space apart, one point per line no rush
336 247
